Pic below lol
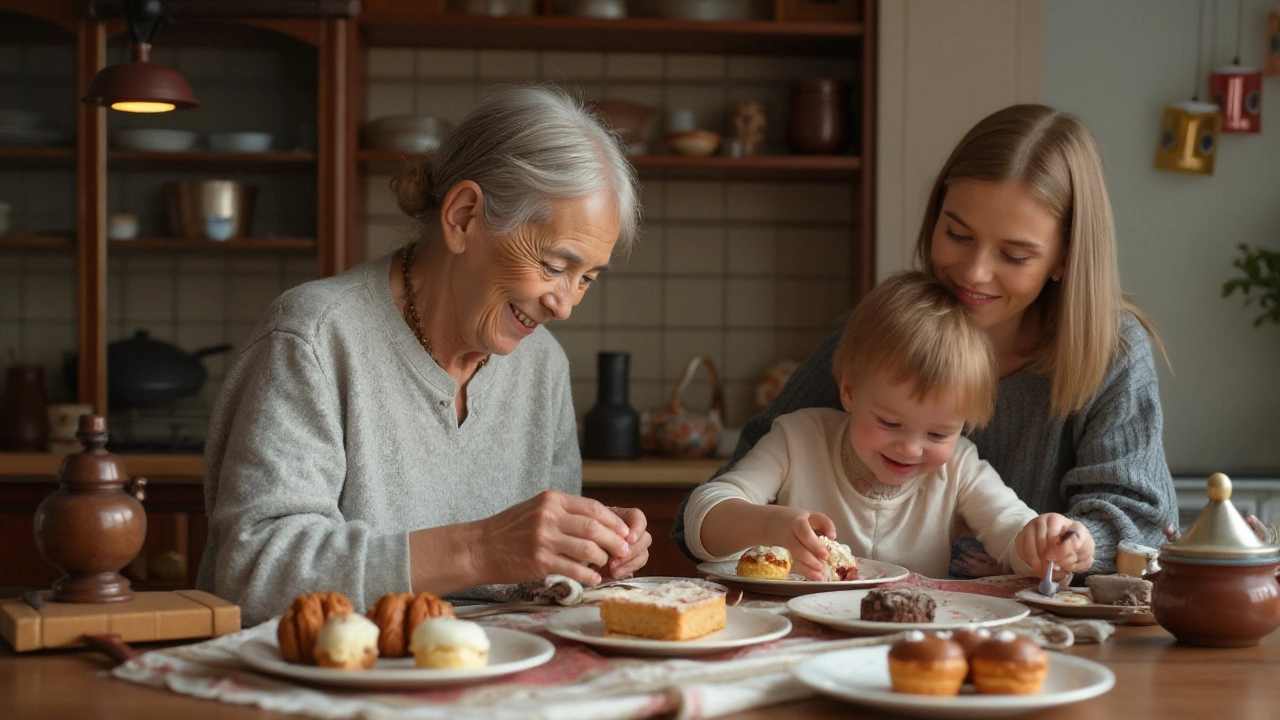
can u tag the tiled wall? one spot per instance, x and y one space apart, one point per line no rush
743 272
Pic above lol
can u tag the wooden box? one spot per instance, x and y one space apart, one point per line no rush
818 10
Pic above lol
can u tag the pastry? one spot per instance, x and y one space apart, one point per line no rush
447 643
927 664
1119 590
897 604
840 564
768 562
1071 597
675 610
969 639
300 625
397 614
1010 665
348 642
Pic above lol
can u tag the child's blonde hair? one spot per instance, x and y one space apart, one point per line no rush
910 328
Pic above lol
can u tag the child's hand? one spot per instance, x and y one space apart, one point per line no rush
798 531
1042 540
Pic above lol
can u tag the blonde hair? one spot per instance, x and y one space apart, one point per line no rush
1053 155
525 146
910 328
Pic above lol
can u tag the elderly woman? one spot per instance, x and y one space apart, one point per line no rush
408 425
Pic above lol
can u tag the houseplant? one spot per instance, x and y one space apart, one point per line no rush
1261 268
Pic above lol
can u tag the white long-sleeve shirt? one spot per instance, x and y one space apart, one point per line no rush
797 464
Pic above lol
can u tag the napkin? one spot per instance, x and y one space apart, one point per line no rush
1057 633
557 589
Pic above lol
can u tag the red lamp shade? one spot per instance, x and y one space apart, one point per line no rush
140 86
1238 92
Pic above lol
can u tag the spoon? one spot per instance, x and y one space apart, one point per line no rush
1048 587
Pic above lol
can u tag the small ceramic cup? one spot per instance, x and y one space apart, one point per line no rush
122 226
217 227
64 421
1132 558
681 120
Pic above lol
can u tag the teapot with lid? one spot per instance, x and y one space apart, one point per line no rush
1217 583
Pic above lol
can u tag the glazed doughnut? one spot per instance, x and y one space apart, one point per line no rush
769 562
347 642
301 623
1010 665
970 638
397 614
927 664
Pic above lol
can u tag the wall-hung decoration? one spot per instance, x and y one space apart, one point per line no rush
1189 137
1238 92
1273 43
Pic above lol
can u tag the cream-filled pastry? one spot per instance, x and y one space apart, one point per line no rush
348 642
449 643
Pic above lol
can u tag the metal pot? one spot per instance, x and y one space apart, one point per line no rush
144 372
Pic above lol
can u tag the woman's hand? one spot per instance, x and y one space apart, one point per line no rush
1058 538
801 532
555 533
638 542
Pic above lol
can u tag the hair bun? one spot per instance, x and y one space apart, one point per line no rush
412 186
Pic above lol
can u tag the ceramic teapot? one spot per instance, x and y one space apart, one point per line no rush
676 432
1217 583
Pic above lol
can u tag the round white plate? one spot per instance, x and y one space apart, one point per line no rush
510 651
843 611
1132 615
742 627
861 675
872 572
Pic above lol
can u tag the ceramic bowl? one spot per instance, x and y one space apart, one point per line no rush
630 119
154 139
240 142
694 143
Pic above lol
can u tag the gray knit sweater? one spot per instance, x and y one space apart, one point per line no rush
1103 465
335 435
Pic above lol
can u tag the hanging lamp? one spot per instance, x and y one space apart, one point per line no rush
1237 90
1189 129
141 86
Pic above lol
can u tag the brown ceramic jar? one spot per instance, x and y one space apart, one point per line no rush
24 410
818 116
94 523
1217 583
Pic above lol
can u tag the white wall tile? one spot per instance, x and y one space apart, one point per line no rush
633 302
694 249
633 66
754 201
248 297
686 200
752 303
440 64
681 345
389 98
739 400
508 65
817 202
693 303
752 250
49 296
148 299
581 347
648 394
390 63
446 101
645 347
803 304
201 297
590 311
646 254
572 66
695 67
651 199
813 251
749 353
799 344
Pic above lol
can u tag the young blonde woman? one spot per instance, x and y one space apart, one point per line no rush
1019 228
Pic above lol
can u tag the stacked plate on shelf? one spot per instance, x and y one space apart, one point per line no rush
21 128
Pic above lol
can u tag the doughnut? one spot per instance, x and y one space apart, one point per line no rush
927 664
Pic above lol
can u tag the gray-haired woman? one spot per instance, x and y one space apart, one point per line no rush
408 425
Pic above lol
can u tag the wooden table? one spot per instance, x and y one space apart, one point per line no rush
1155 678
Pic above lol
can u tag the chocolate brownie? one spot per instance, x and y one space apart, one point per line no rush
902 605
1119 590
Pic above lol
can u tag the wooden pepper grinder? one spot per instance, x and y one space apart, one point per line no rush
94 523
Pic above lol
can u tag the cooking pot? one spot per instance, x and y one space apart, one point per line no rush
144 372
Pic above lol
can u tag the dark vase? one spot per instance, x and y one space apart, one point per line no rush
24 413
612 427
818 117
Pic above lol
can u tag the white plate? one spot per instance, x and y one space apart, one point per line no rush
742 627
861 675
872 572
843 611
1131 615
510 651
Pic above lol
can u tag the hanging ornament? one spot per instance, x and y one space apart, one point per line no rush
1189 129
1273 43
1237 89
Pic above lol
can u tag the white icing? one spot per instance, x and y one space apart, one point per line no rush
347 637
1005 636
762 550
914 636
838 555
448 632
677 594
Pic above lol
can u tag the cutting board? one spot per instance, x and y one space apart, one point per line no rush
149 616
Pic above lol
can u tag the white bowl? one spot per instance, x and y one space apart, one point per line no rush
154 139
240 142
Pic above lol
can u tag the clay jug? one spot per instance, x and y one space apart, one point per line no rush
679 433
611 428
24 413
818 116
94 523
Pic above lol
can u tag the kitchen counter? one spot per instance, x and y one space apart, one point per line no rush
1155 678
645 472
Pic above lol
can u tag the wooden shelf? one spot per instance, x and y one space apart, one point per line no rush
817 168
649 35
37 157
214 246
36 242
45 465
135 159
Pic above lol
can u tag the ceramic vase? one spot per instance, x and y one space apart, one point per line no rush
611 429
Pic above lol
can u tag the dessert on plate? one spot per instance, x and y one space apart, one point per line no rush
347 642
1010 665
675 610
899 605
970 638
301 623
767 562
840 564
398 614
445 642
1119 590
927 664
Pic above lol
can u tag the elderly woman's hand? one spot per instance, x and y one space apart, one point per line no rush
638 542
555 533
